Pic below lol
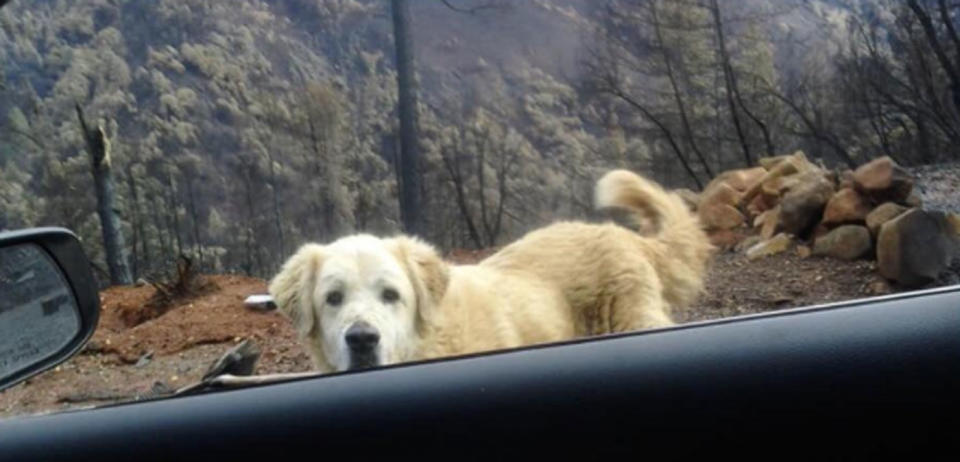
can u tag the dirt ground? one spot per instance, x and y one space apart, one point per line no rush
736 286
157 356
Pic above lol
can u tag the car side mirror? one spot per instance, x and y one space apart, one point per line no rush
49 305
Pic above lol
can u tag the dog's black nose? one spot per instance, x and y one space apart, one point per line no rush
362 337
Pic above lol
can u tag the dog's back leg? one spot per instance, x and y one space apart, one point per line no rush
636 307
631 300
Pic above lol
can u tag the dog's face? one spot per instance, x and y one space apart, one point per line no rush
360 301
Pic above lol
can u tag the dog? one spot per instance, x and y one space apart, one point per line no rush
364 301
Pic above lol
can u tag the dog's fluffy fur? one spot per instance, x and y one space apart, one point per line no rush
562 281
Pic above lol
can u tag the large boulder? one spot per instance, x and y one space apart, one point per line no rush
847 242
915 247
882 214
883 180
802 207
846 206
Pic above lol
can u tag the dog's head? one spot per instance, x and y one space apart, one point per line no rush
361 301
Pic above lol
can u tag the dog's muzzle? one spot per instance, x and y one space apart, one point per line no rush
363 342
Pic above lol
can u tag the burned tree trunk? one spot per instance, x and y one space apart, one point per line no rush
409 120
141 254
99 149
949 67
277 212
733 91
173 218
195 221
677 94
452 164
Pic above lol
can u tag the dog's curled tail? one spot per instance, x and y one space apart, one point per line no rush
650 208
645 204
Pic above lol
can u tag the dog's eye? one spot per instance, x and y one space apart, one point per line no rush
390 295
334 298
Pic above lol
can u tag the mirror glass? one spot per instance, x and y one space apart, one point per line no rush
38 313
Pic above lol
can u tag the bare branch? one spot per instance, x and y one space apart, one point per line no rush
33 139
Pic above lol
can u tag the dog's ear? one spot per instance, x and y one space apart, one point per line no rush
428 274
292 288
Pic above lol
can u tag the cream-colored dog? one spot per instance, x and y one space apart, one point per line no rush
363 301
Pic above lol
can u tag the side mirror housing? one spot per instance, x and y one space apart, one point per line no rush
49 305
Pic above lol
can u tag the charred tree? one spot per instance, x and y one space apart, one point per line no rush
99 148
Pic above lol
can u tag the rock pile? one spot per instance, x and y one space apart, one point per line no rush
871 212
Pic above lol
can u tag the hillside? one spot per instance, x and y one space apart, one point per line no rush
239 130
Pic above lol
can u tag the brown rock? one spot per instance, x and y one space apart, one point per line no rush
720 216
846 206
743 179
800 162
882 214
719 193
795 163
914 247
876 174
773 186
954 220
804 251
761 203
771 223
724 238
739 180
847 242
759 219
802 207
883 180
772 246
768 163
789 182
